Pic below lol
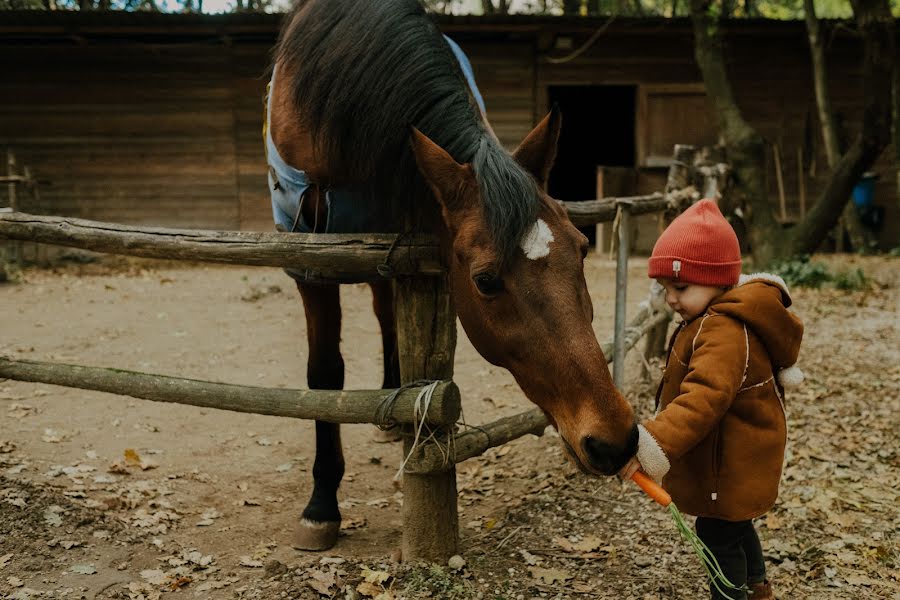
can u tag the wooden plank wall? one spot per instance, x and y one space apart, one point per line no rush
250 77
125 132
505 74
169 134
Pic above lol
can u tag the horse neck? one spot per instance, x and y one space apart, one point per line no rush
290 134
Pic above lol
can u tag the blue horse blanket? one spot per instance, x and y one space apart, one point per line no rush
348 210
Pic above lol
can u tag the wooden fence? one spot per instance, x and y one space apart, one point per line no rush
430 525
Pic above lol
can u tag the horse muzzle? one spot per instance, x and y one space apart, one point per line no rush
608 458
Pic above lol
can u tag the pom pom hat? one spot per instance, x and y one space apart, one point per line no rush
698 247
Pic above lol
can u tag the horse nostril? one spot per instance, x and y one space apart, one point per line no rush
606 457
600 454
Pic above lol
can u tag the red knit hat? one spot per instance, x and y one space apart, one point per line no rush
698 247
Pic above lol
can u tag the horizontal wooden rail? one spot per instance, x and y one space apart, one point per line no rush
335 406
333 257
316 257
429 458
591 212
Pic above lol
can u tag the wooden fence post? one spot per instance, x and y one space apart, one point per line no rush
426 332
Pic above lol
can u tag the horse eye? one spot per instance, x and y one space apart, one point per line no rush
488 283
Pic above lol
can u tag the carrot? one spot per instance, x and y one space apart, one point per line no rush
653 489
707 559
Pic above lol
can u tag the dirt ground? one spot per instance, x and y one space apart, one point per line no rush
104 496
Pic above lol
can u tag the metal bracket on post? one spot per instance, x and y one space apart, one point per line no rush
624 230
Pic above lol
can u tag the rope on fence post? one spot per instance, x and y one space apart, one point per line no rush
423 401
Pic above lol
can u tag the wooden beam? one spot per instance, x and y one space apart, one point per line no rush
335 406
476 441
332 257
591 212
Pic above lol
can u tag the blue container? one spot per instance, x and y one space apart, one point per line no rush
864 191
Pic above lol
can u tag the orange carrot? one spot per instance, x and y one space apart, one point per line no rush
653 489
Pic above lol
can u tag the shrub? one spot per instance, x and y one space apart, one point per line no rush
854 279
800 271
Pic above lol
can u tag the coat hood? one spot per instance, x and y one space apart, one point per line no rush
761 300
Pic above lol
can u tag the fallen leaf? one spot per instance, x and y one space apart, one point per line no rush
369 589
550 576
52 436
246 561
154 576
321 581
353 523
378 577
773 521
84 569
179 583
51 515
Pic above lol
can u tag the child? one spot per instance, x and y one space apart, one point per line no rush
717 440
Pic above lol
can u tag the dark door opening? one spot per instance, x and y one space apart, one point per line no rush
598 128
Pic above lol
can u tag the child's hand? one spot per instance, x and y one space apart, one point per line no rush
630 468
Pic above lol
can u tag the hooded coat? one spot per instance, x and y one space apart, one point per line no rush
718 438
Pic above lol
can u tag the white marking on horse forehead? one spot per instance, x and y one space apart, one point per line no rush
536 243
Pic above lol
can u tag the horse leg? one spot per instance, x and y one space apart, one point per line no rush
321 519
383 303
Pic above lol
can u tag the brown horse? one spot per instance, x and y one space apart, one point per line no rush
371 109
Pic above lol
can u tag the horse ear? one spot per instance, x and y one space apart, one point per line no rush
445 176
537 151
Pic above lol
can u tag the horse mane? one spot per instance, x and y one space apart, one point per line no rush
363 72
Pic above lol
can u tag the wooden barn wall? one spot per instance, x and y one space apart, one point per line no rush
126 132
505 74
773 85
171 134
250 63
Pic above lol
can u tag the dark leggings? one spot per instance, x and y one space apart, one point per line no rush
736 546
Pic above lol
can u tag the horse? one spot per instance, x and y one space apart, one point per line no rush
372 110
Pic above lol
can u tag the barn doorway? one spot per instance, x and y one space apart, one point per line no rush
598 129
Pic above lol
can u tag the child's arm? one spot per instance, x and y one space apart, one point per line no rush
715 373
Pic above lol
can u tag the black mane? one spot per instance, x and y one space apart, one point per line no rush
363 72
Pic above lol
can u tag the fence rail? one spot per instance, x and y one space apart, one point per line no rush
334 406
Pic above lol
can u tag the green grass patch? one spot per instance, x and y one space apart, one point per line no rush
800 271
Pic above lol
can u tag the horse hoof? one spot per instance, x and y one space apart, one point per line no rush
313 535
385 436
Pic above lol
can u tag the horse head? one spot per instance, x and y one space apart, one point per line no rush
530 312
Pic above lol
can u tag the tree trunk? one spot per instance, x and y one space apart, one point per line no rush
859 237
745 147
897 127
876 25
820 79
487 7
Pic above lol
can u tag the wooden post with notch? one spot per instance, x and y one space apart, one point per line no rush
426 337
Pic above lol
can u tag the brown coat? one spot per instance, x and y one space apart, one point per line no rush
717 440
